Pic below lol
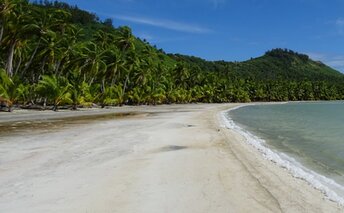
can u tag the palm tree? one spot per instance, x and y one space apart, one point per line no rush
16 30
95 62
55 89
181 75
44 30
103 39
12 25
116 66
112 95
23 93
6 12
125 39
7 89
131 64
75 88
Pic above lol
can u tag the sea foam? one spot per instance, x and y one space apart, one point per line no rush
296 169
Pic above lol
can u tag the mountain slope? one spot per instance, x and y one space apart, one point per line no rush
286 64
276 64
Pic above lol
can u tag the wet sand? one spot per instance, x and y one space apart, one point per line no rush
176 158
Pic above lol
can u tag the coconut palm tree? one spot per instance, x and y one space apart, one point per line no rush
45 29
54 89
95 62
7 89
7 10
15 29
125 39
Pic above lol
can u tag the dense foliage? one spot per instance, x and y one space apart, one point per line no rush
55 54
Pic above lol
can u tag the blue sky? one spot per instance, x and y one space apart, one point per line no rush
232 30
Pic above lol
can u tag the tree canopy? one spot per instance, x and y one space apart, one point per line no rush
54 54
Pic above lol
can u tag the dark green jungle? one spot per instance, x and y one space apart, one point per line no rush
53 54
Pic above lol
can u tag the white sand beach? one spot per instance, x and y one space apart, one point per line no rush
170 158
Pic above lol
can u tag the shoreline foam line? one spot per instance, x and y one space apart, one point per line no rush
295 168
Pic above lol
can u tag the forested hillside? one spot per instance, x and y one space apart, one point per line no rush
54 54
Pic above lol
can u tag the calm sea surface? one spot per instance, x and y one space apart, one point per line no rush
311 133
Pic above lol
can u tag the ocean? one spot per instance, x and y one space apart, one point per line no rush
307 138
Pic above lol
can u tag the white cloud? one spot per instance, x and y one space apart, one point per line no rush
335 61
340 25
166 24
217 3
316 56
127 1
145 35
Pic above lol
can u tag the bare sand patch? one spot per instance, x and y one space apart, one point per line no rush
173 158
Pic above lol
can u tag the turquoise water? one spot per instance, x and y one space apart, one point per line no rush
310 133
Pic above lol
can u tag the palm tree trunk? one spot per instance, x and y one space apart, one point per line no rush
18 65
43 64
55 108
91 81
75 106
57 66
125 85
45 103
1 32
114 76
9 63
124 89
103 85
27 65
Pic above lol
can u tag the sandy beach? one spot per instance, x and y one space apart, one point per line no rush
170 158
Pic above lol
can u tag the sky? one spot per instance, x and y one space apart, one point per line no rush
232 30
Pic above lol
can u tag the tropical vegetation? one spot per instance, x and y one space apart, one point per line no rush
54 54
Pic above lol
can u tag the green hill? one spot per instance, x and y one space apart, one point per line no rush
56 54
286 64
276 64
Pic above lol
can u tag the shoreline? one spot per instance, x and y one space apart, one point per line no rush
293 166
173 158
